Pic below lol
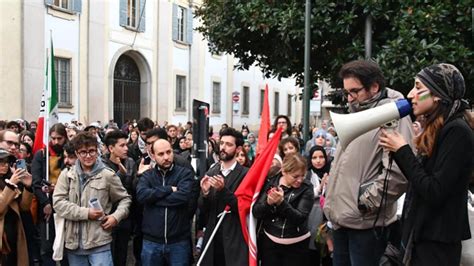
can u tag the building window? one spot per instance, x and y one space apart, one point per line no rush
277 104
180 93
216 97
288 111
132 14
262 96
62 68
245 100
69 6
62 4
182 24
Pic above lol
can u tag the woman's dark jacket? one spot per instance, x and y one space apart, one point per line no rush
290 218
436 203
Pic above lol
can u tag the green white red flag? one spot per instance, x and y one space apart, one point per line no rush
49 104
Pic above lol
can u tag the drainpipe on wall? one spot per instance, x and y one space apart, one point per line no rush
190 101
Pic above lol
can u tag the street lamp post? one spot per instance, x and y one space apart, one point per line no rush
307 90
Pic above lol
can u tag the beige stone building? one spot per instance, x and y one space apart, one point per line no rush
126 59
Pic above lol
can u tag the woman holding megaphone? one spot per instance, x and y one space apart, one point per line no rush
435 218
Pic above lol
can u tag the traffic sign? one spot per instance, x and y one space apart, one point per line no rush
235 98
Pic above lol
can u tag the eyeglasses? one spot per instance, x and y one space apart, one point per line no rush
11 143
91 153
149 143
281 122
23 150
3 163
354 92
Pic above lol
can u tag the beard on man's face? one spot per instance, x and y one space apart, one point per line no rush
225 157
57 148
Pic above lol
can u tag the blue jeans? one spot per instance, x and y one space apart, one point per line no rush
103 258
176 254
359 247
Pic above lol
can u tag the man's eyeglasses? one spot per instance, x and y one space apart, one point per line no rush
91 153
353 92
11 143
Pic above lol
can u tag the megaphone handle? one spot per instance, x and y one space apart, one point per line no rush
390 126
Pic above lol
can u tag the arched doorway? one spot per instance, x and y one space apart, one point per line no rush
126 90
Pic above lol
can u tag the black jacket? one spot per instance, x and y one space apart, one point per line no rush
290 218
234 246
128 180
166 216
436 202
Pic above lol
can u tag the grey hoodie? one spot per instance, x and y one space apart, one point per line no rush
71 198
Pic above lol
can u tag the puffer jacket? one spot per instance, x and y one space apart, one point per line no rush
73 204
290 218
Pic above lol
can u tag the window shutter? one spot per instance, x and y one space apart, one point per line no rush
48 2
175 22
77 6
142 10
189 26
123 12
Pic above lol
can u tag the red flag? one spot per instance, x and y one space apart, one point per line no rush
248 191
264 123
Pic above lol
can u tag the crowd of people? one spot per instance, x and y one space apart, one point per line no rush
395 197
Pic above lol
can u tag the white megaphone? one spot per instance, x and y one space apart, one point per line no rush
351 126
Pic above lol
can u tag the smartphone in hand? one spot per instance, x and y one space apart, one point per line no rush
147 160
20 164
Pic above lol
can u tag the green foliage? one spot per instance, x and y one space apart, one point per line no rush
407 36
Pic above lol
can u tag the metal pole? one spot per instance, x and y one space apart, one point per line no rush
222 215
368 37
307 90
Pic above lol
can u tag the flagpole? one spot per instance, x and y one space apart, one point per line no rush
47 118
222 215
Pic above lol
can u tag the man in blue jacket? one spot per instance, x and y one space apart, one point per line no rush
165 192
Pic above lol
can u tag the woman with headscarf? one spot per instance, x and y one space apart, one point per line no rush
253 143
318 169
435 218
330 146
247 147
319 138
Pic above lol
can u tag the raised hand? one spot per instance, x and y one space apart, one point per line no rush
205 185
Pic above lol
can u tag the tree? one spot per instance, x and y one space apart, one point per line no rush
407 36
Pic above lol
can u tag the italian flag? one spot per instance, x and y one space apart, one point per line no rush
49 105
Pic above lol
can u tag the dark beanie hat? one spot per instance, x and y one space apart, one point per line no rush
445 81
